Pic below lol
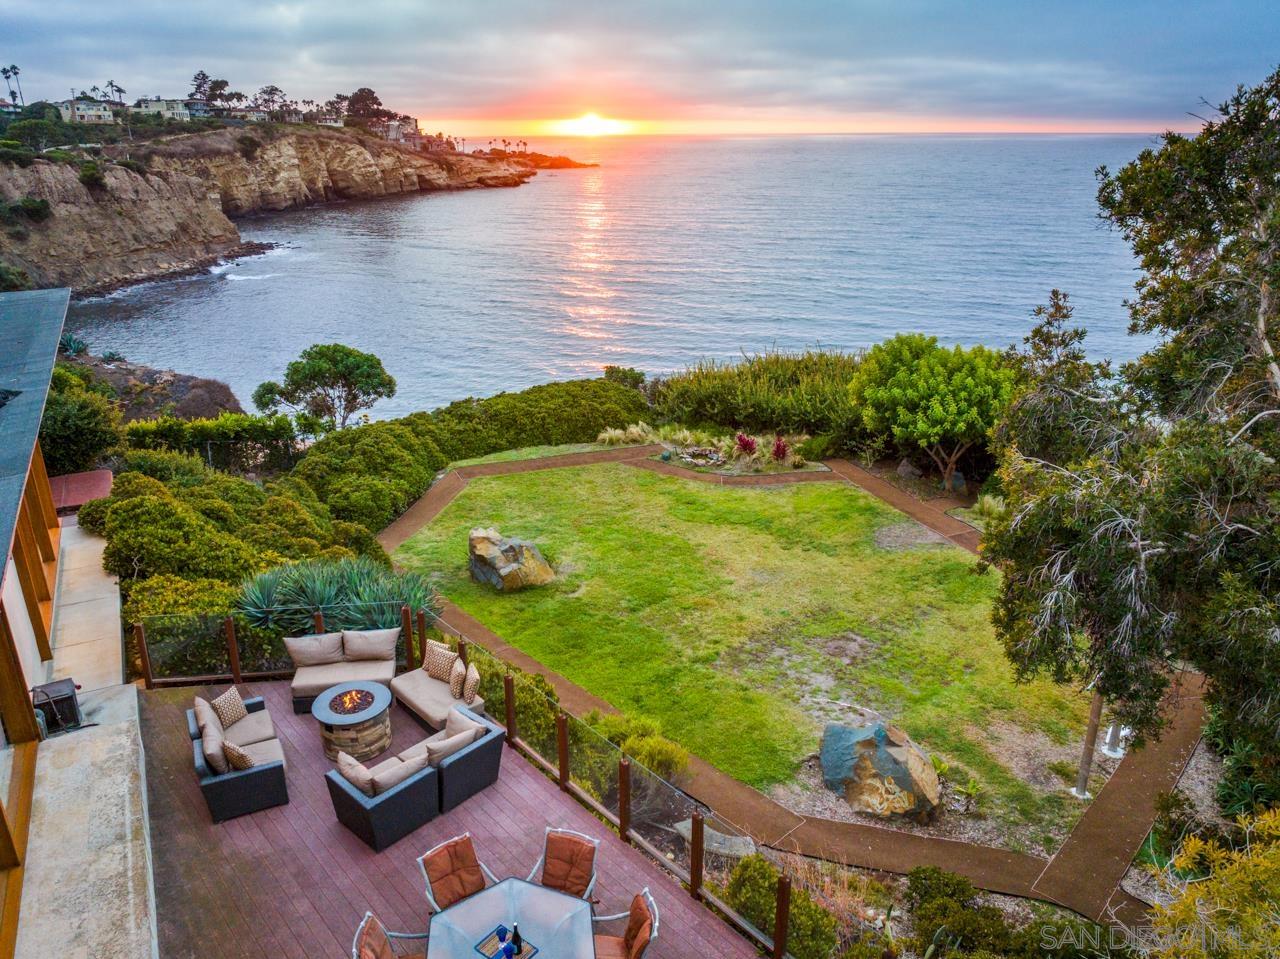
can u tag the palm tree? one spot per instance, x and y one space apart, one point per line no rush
13 72
96 91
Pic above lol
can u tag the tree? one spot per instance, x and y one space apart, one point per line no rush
329 381
270 98
14 72
37 134
364 104
943 401
200 85
81 423
1156 542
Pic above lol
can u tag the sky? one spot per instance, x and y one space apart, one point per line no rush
513 67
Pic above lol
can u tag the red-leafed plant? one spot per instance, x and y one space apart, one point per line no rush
781 449
747 445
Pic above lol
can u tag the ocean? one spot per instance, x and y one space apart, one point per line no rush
671 251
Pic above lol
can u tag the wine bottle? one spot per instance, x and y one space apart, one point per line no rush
515 938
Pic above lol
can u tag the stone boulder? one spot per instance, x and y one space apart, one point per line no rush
879 770
909 470
506 564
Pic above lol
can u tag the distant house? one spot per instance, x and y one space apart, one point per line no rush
9 109
252 114
169 109
398 131
291 116
86 111
197 107
331 121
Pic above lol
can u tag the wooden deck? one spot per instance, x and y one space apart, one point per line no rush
293 882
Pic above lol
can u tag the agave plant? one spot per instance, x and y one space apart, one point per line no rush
72 345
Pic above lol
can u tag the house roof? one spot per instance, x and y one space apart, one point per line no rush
30 325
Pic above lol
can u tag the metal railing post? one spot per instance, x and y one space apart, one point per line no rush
140 638
624 799
562 749
782 917
695 854
317 621
406 630
509 689
462 651
233 648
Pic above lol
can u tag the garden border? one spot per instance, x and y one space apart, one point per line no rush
1083 875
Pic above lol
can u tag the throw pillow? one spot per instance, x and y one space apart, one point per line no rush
447 747
314 649
211 745
399 773
237 758
355 773
457 677
358 644
229 708
205 716
471 685
437 660
456 723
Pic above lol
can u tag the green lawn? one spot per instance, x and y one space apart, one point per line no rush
734 616
531 453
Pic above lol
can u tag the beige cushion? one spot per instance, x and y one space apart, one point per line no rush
447 747
254 728
420 749
471 684
313 680
437 660
268 751
314 649
205 716
211 743
355 773
457 677
229 708
237 758
429 698
457 723
394 775
370 643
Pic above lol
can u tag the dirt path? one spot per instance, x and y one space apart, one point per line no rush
1084 875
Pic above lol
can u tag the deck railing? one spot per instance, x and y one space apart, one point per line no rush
685 837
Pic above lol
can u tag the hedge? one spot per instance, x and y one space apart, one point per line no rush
752 892
238 442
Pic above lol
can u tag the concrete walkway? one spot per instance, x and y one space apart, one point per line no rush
1083 875
87 645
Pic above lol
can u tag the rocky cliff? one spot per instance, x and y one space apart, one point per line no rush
257 170
131 227
174 217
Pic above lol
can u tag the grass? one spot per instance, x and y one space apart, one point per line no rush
726 613
531 453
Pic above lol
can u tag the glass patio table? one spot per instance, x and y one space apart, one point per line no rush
558 926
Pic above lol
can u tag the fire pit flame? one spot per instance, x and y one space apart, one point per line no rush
352 701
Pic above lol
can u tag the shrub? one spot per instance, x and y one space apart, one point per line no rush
641 738
18 156
79 426
132 166
624 376
780 450
91 175
746 445
72 345
35 209
926 883
171 595
971 927
152 535
248 146
165 466
752 892
14 278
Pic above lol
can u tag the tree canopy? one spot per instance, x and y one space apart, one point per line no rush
331 382
943 401
1148 535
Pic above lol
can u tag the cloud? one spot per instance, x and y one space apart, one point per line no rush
1140 61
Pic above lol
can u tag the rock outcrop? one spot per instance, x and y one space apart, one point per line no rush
146 392
258 170
506 564
879 770
132 227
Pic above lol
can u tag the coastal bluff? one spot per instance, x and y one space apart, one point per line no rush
259 170
177 215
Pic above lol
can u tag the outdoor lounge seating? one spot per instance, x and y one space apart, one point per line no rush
471 768
387 816
452 872
426 692
232 792
567 863
642 929
322 660
373 941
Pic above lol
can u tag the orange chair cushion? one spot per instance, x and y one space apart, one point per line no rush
639 927
568 864
454 872
641 941
372 942
608 947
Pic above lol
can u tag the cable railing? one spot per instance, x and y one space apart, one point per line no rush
680 834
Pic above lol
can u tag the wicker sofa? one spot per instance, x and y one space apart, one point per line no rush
322 660
386 817
238 792
428 696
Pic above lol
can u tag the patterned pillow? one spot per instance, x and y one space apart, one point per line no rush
237 758
471 684
437 660
229 708
457 676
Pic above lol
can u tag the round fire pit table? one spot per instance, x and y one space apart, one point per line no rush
355 718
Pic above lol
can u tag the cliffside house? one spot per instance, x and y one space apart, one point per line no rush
197 107
291 116
249 114
9 109
169 109
86 111
330 122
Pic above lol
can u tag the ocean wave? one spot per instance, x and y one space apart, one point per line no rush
250 276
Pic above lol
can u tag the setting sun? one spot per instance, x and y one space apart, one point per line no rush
590 125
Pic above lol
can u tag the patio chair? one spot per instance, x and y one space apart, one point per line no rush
452 872
568 862
373 941
642 929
